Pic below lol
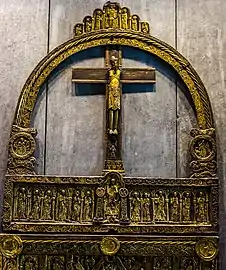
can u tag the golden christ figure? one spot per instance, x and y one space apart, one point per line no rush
114 96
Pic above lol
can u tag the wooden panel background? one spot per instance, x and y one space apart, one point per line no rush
157 124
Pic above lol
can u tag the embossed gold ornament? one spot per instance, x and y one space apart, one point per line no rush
206 249
203 148
109 246
22 145
11 246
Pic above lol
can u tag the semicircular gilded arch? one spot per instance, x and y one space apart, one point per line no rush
147 43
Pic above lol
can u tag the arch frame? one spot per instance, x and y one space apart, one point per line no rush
104 37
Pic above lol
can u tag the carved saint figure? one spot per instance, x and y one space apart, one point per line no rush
159 201
114 96
188 265
112 207
78 29
186 209
112 146
88 206
98 17
62 205
174 207
202 148
135 207
77 265
124 18
111 17
76 207
57 263
47 205
144 27
21 145
146 215
162 264
88 262
21 212
88 24
201 208
30 264
36 205
135 23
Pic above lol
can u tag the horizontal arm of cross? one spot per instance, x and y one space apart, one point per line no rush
128 75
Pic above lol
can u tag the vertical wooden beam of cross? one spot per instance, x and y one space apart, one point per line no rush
113 75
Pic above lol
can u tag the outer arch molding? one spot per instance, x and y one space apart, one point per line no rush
121 37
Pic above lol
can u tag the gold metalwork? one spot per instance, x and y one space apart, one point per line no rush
114 36
10 245
110 246
21 149
203 151
206 249
114 96
111 203
111 17
72 203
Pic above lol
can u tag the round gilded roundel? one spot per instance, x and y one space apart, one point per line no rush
203 148
123 192
206 249
109 245
22 145
11 246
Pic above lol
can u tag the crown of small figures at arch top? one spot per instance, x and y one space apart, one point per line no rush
112 16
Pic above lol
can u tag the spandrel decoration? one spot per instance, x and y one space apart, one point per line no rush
111 221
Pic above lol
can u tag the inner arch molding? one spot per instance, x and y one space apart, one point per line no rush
146 43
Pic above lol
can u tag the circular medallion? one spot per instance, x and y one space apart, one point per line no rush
123 192
206 249
11 246
22 145
100 191
113 175
109 246
203 148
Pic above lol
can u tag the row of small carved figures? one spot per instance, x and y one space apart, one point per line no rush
49 205
77 206
29 262
171 207
112 18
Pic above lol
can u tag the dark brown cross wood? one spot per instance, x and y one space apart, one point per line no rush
129 75
101 76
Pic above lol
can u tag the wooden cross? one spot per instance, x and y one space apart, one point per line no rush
113 160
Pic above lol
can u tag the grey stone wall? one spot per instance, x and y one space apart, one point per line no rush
156 123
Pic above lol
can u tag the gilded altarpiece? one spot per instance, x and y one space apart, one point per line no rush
111 221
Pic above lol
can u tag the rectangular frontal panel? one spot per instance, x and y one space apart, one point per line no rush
92 252
98 204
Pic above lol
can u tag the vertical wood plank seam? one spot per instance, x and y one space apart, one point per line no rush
47 88
176 85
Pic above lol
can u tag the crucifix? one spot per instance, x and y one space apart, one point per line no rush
113 76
